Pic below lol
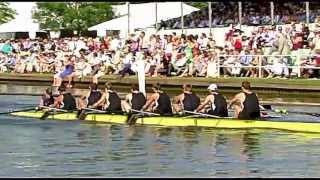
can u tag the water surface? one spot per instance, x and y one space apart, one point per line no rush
34 148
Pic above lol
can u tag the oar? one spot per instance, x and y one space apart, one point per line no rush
82 113
132 118
14 111
47 113
207 115
144 112
94 110
51 108
283 111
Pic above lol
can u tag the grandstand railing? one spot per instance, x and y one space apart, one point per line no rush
297 65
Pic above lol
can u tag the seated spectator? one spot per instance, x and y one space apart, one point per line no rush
245 60
127 63
279 68
213 66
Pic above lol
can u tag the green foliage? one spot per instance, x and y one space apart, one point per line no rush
72 15
6 13
200 5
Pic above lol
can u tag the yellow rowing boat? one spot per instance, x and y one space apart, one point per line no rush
183 121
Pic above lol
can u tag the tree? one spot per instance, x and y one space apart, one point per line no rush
200 5
77 16
6 13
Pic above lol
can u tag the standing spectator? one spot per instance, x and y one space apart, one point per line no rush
283 43
212 67
143 42
203 41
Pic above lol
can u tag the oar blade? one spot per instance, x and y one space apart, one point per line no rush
267 106
15 111
82 115
45 115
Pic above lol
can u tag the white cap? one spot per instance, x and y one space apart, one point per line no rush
213 87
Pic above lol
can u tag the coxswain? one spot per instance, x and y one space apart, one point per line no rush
217 103
158 102
187 100
134 100
246 103
47 98
109 101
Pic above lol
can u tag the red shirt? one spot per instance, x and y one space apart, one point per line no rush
238 44
318 60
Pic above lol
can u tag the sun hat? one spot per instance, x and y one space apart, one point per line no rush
213 87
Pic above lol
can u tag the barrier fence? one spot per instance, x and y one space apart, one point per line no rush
296 64
234 65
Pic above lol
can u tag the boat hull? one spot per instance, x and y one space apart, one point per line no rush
183 121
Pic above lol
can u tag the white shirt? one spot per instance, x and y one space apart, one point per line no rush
114 44
72 45
203 42
127 59
169 48
80 45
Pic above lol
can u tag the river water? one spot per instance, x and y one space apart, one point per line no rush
33 148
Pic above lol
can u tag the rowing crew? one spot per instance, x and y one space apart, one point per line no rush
245 104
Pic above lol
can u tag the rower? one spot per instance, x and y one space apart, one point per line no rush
134 100
187 100
47 98
92 97
217 103
158 102
246 103
109 101
65 100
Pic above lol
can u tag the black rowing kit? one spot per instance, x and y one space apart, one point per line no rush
94 97
251 109
69 102
138 101
220 104
190 101
114 102
47 101
164 104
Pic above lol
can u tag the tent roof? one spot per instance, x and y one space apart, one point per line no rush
19 26
23 21
143 15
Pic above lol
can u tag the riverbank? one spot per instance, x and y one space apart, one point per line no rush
274 84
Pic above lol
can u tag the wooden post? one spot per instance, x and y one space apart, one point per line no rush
272 12
260 64
210 17
141 73
156 11
307 13
128 4
182 20
240 12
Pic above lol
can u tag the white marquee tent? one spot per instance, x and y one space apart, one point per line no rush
142 16
23 21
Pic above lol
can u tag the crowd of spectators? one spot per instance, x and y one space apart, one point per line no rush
253 13
172 54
